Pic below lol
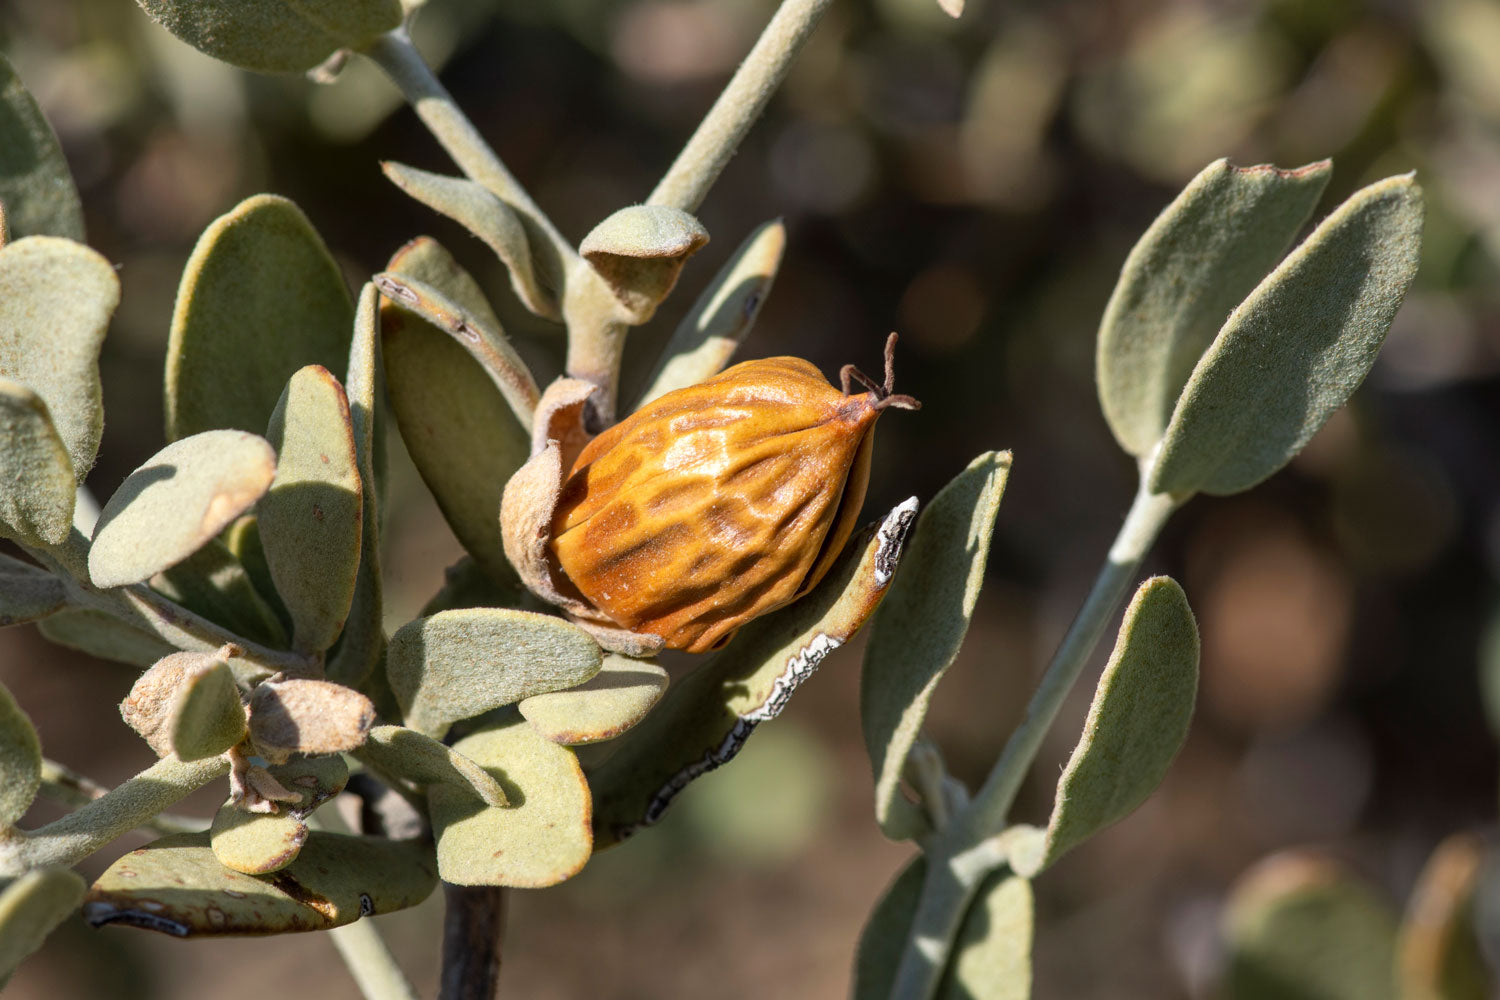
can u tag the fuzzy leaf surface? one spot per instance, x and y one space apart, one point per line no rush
256 843
30 908
36 477
462 435
992 954
20 761
540 839
1201 256
56 300
208 717
612 701
920 626
214 583
27 593
312 517
260 298
1296 348
274 36
886 931
176 886
36 187
176 502
422 760
104 636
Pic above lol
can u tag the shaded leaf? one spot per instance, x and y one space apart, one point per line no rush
460 664
919 628
601 708
1135 726
708 335
176 502
1201 256
207 717
30 908
242 538
213 583
274 36
992 954
37 191
462 436
422 760
1437 952
27 593
540 839
260 298
310 520
256 843
104 636
704 720
886 932
20 761
490 219
36 478
56 299
1296 348
175 885
1299 927
639 251
307 717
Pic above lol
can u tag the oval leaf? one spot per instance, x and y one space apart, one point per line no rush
311 519
1201 256
308 717
460 664
30 908
992 953
207 717
462 436
920 626
174 504
36 188
27 593
1136 724
1296 348
176 886
56 299
256 843
703 721
37 489
884 938
274 36
260 298
487 217
712 330
611 702
213 583
155 700
313 778
104 636
540 839
20 761
422 760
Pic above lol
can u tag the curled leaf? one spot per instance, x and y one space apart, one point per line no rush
639 251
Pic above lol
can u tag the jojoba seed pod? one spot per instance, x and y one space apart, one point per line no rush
717 503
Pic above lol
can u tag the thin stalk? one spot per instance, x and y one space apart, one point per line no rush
473 928
120 810
706 154
370 962
66 786
958 864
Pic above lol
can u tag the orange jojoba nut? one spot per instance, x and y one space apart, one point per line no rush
717 503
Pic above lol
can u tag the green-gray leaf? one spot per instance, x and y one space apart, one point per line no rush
171 506
992 954
30 908
213 583
20 761
104 636
36 477
1201 256
611 702
36 189
311 519
1296 348
1301 927
542 838
1135 726
56 298
260 298
422 760
207 717
490 219
639 251
27 593
256 843
708 335
274 36
463 437
460 664
176 886
920 626
886 932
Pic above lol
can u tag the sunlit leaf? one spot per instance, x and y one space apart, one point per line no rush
256 843
992 953
615 699
422 760
207 717
639 251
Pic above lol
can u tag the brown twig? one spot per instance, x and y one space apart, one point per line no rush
473 929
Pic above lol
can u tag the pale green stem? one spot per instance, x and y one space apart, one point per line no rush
370 962
64 785
706 154
958 864
395 53
120 810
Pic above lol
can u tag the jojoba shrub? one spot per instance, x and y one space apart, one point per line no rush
522 722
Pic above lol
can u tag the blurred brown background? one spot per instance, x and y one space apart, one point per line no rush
976 186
